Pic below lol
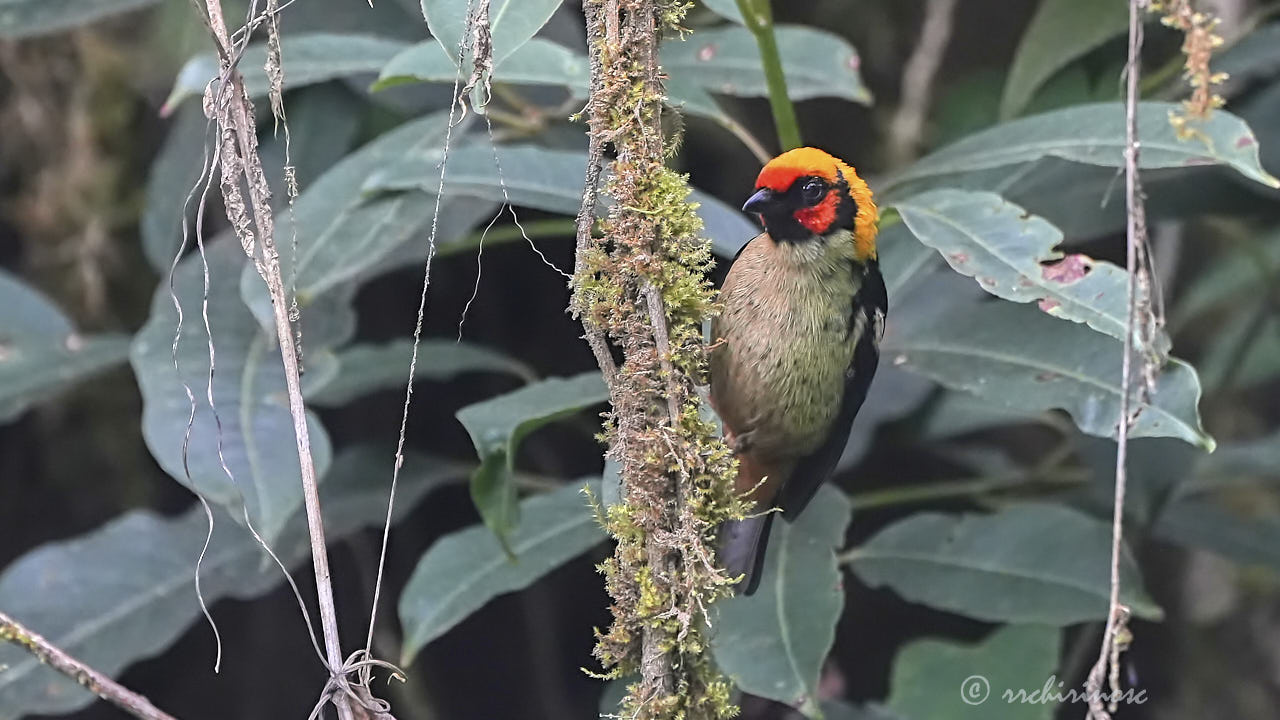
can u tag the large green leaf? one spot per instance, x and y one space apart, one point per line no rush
773 643
171 178
466 569
498 425
539 178
1029 563
345 233
256 433
942 679
40 352
1014 255
1014 356
1242 529
20 18
123 592
366 368
512 23
726 60
1060 31
308 58
537 62
1092 134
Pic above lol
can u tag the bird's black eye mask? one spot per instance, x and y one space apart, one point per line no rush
778 210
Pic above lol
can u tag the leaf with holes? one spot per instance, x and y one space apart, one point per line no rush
773 643
498 425
1003 156
1014 255
464 570
1013 356
123 593
999 568
41 353
726 60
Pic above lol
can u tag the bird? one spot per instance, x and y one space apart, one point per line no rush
796 343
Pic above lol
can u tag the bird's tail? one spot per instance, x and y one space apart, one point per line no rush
742 546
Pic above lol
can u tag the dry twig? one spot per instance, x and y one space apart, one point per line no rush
92 680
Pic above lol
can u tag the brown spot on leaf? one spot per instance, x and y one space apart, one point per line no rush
959 258
1067 270
854 62
1049 304
1245 142
1024 282
5 352
987 281
1046 376
1198 161
706 52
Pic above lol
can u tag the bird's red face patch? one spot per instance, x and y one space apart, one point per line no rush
819 218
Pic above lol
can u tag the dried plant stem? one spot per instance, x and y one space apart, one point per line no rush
907 127
92 680
1117 614
230 105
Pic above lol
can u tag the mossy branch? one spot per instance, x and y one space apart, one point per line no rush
758 15
642 285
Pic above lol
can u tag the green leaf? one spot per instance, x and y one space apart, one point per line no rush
22 18
512 23
1241 273
1014 255
726 60
957 413
41 353
1241 529
363 369
1031 563
256 435
537 62
1013 356
345 234
172 177
725 8
1060 32
498 425
773 643
308 58
123 592
535 177
1092 134
942 679
464 570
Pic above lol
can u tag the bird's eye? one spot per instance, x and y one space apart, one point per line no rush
813 191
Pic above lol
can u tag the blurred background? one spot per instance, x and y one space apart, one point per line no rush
98 152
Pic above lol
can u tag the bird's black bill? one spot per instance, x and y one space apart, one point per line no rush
761 202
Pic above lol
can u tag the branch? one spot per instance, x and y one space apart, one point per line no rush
907 127
92 680
1114 637
758 15
229 105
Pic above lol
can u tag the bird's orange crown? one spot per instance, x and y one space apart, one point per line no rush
782 171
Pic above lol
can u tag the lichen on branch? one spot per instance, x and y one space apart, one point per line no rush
642 284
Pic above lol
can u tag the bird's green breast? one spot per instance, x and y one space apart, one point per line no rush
778 378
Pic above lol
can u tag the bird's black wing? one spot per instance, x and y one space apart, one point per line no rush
872 302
